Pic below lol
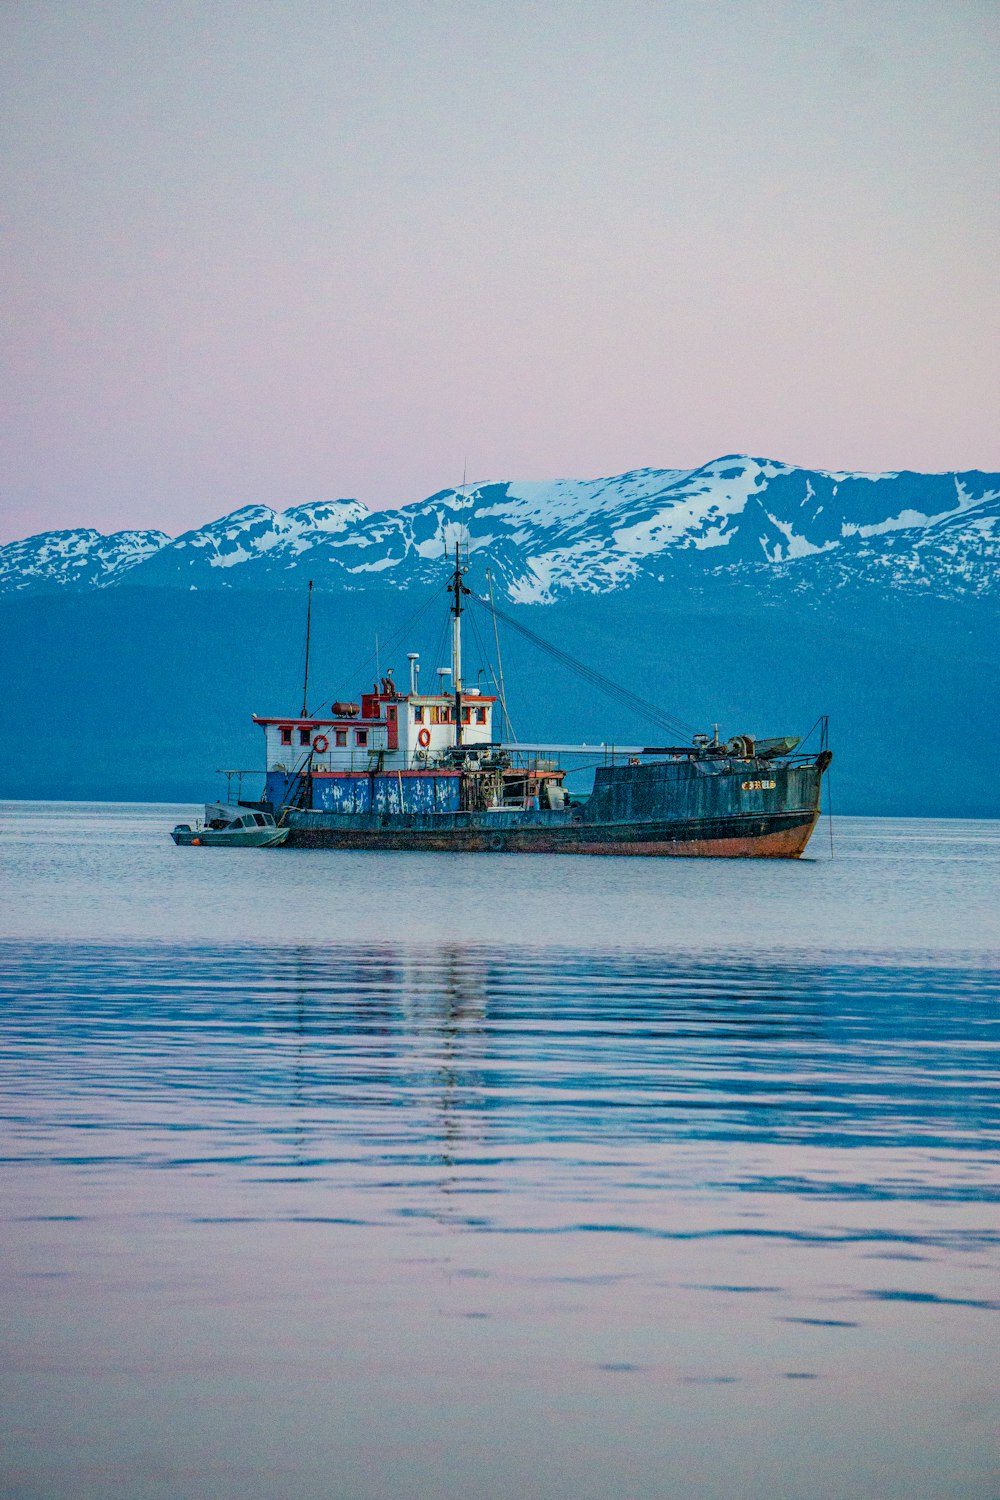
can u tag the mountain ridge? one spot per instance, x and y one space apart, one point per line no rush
811 530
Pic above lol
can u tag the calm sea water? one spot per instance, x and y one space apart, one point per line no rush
390 1176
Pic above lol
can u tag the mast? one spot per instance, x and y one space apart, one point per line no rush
305 681
457 588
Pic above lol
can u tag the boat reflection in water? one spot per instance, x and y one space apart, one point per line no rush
489 1219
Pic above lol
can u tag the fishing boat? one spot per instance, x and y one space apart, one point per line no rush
231 828
402 768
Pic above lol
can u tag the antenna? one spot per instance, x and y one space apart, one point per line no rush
305 680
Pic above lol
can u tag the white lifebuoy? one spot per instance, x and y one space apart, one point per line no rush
321 744
424 738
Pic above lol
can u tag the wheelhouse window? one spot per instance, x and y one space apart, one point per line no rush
418 714
480 715
286 734
465 716
361 736
305 735
390 713
340 736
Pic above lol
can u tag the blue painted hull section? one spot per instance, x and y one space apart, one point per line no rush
391 793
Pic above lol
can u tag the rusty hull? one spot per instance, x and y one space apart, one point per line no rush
757 839
720 809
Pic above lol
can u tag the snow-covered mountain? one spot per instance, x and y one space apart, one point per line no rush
740 517
83 557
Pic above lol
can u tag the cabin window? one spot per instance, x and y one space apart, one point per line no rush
286 735
465 715
480 716
304 736
361 736
340 736
418 714
390 713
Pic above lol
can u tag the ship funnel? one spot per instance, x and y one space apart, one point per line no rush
413 657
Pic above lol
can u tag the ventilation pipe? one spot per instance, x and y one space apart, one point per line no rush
413 657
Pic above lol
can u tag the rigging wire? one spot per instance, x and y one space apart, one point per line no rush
394 639
481 647
807 737
441 650
640 706
496 637
484 653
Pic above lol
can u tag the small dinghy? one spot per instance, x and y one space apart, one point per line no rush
231 828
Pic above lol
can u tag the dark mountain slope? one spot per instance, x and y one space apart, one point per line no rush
130 693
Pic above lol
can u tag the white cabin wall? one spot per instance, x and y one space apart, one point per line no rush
353 757
442 736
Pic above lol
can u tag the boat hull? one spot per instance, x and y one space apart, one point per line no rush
719 808
221 838
784 836
778 838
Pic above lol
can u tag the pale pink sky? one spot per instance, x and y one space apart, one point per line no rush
277 252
